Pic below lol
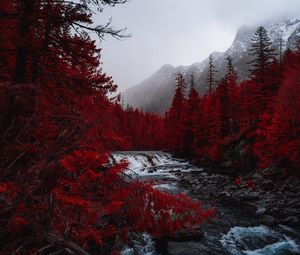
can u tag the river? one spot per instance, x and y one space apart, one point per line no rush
236 230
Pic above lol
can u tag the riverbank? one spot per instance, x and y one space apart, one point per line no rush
260 219
273 202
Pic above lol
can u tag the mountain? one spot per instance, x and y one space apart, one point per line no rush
155 93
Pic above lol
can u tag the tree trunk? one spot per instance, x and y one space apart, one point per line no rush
27 7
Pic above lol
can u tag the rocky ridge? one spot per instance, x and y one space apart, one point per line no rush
156 92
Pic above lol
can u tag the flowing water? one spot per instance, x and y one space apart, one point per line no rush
258 240
219 238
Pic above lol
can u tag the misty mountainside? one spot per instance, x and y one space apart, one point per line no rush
156 92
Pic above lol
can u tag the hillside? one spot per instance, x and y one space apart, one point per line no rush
155 93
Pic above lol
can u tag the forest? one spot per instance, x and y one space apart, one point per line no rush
254 123
59 192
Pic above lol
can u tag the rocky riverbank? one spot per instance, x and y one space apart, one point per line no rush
272 201
261 218
273 198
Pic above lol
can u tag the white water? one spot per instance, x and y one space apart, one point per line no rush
258 240
151 164
143 247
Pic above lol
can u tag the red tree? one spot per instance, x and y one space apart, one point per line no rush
281 145
191 119
57 188
174 126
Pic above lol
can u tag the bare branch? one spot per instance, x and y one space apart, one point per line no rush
101 31
59 241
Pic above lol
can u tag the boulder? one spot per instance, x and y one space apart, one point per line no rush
260 210
267 220
186 235
227 164
291 220
187 248
249 196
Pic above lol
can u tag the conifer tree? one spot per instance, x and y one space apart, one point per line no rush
191 118
262 70
263 55
231 79
179 98
280 143
211 80
230 73
223 108
174 118
39 30
279 44
59 194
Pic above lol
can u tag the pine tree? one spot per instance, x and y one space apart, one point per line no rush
211 80
193 84
231 79
179 97
230 73
174 118
58 191
223 108
283 134
39 31
191 118
262 53
279 44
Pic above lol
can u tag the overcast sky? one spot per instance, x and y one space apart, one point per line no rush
178 32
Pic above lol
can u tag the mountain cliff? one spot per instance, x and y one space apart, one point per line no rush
156 92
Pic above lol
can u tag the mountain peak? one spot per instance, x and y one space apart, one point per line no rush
156 93
166 68
242 34
242 39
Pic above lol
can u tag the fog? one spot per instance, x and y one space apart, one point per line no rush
178 32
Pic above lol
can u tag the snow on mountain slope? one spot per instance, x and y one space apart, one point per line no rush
155 93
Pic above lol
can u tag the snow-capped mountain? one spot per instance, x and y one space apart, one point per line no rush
155 93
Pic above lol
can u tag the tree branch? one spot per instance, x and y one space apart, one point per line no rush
59 241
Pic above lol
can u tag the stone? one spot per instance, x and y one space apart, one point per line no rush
227 164
187 248
225 194
291 220
267 220
260 211
294 202
251 196
186 235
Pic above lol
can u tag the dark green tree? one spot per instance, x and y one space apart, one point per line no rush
262 54
211 80
279 44
230 69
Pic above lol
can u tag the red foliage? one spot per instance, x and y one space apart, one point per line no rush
251 124
251 185
174 119
16 224
237 181
142 131
57 127
113 207
278 135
